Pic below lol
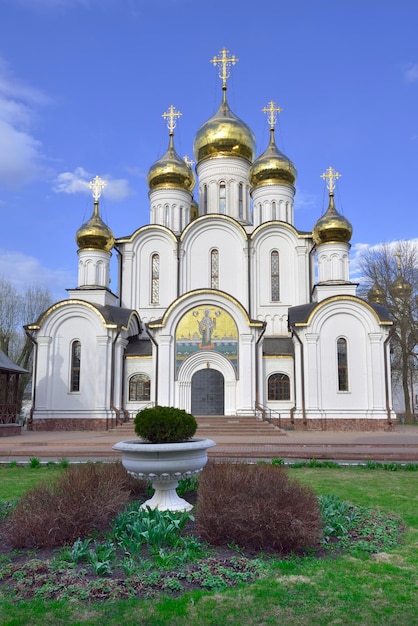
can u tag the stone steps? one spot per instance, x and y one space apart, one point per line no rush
232 427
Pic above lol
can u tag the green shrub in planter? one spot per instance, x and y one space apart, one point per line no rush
165 424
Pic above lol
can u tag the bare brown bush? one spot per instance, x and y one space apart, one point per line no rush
257 507
82 499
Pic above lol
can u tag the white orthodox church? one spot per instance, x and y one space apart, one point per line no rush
223 305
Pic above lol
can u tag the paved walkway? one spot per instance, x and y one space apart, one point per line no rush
401 445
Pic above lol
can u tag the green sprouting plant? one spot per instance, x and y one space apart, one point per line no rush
6 507
13 464
186 485
172 584
277 461
78 552
101 558
64 463
135 527
34 462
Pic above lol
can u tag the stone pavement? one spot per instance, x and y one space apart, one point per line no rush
400 446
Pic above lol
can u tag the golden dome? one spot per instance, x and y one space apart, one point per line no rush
401 288
224 134
194 210
376 294
171 171
95 233
332 227
272 167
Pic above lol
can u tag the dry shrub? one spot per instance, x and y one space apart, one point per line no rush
84 498
257 507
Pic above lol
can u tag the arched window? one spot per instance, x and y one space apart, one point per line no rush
278 387
273 211
214 269
75 366
342 364
222 197
155 279
139 388
240 201
274 276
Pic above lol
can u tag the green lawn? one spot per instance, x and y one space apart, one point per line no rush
351 589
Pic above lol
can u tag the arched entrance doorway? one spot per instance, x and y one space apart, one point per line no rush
208 392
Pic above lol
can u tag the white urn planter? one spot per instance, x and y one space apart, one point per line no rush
165 464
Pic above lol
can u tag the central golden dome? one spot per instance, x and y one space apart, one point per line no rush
171 171
224 134
95 233
272 167
332 227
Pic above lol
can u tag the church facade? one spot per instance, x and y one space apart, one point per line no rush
223 305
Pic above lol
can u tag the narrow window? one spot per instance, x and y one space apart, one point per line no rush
222 198
214 269
155 279
205 199
139 388
273 211
75 366
240 201
278 387
342 364
274 273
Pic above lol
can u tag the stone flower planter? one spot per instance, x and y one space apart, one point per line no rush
165 464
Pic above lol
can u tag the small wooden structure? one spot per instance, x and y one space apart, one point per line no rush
9 383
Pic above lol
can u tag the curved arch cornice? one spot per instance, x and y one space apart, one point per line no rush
285 225
145 230
211 217
211 294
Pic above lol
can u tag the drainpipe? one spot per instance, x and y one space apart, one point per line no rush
302 375
34 373
156 361
112 381
249 277
120 275
387 381
178 266
256 361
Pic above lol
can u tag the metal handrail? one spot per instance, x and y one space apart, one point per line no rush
266 414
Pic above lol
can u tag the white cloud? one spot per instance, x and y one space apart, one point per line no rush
21 155
23 270
410 72
305 201
360 249
116 189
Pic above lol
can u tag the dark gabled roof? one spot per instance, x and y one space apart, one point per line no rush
139 347
300 314
7 365
115 314
278 346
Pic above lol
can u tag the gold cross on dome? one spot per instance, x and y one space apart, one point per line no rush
225 63
96 186
272 109
188 161
171 116
330 175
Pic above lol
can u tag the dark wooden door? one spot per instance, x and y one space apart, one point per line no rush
208 391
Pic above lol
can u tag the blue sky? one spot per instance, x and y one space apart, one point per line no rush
83 85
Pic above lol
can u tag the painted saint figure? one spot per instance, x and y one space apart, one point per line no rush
206 328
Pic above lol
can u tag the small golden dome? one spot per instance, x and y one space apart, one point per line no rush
171 171
332 227
376 294
272 167
224 134
401 288
194 210
95 233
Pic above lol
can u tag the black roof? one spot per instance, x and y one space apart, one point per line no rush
7 365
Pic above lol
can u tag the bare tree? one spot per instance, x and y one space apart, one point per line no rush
17 309
390 275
